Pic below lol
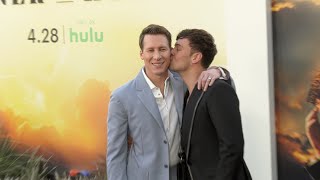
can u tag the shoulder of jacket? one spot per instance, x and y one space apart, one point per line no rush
219 85
123 89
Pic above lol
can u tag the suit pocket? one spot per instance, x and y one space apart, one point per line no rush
136 173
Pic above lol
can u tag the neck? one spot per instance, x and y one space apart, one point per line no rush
158 80
190 77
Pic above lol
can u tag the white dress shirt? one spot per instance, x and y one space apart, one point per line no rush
169 115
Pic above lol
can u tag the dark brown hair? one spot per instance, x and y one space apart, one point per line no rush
201 41
154 30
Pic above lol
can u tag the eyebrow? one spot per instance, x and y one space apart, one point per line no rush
157 47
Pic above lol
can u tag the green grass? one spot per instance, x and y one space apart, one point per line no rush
25 165
28 165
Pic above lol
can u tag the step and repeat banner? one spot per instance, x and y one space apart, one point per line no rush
296 44
61 59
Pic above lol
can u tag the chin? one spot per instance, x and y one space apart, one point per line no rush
171 67
160 72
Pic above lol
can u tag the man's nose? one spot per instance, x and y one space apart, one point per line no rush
157 55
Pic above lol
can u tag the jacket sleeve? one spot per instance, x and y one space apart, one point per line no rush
223 107
117 148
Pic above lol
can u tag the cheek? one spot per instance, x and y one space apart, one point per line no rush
167 57
181 57
147 58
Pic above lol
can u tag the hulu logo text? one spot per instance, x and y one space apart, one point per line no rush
91 36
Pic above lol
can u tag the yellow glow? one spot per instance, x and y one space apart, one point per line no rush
282 5
56 94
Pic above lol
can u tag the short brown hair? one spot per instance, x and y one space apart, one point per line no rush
154 30
200 40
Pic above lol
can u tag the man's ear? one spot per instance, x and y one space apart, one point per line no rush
141 54
196 57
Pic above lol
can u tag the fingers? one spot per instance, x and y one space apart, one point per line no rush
205 81
212 80
200 80
206 85
207 78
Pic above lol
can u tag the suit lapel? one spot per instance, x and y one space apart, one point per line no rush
178 88
147 99
190 105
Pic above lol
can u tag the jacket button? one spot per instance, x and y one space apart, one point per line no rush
165 166
165 142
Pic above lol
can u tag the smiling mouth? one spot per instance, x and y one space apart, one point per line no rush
158 64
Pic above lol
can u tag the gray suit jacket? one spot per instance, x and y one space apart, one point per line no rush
133 111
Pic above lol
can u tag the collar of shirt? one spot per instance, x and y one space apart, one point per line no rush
155 90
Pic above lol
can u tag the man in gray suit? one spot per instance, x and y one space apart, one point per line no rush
148 109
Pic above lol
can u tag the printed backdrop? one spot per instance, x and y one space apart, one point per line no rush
296 43
61 59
